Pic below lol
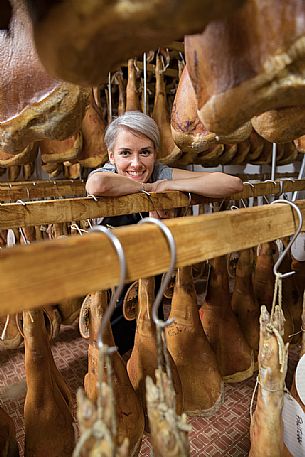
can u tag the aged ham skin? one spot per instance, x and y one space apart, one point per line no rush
266 430
47 415
189 133
292 307
169 432
33 105
93 151
234 356
281 125
11 338
72 37
122 101
56 151
243 302
132 96
29 154
187 343
168 151
8 442
143 359
263 275
254 58
130 420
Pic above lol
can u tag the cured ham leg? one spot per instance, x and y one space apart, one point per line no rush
188 132
56 151
72 38
120 81
292 307
169 432
8 442
93 151
234 356
264 276
281 125
129 414
255 56
266 430
10 337
168 151
33 105
132 96
195 361
143 359
244 304
48 420
28 154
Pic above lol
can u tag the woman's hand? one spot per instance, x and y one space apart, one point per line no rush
157 186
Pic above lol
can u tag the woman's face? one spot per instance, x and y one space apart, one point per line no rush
133 155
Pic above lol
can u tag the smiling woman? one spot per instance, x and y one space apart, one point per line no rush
132 141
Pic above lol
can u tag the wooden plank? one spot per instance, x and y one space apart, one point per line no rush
268 188
28 190
74 209
49 271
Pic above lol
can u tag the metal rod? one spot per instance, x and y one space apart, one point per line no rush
109 97
273 163
144 84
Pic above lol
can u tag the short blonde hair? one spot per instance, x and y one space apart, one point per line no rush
137 122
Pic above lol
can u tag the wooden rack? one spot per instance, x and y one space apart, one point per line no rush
14 215
28 190
50 271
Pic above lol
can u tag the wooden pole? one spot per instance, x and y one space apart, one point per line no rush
28 190
49 271
31 213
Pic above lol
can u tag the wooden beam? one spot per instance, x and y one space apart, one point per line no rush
74 209
14 215
28 190
268 188
49 271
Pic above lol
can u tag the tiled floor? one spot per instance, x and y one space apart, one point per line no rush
225 434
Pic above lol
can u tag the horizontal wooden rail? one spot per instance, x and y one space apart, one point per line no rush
75 209
14 215
28 190
49 271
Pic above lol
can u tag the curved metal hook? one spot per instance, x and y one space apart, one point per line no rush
281 257
167 277
123 270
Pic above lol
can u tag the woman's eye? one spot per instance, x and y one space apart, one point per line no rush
145 152
124 153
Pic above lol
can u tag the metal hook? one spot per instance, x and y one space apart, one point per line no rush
115 296
280 192
23 235
21 202
76 227
281 257
168 275
92 196
249 184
